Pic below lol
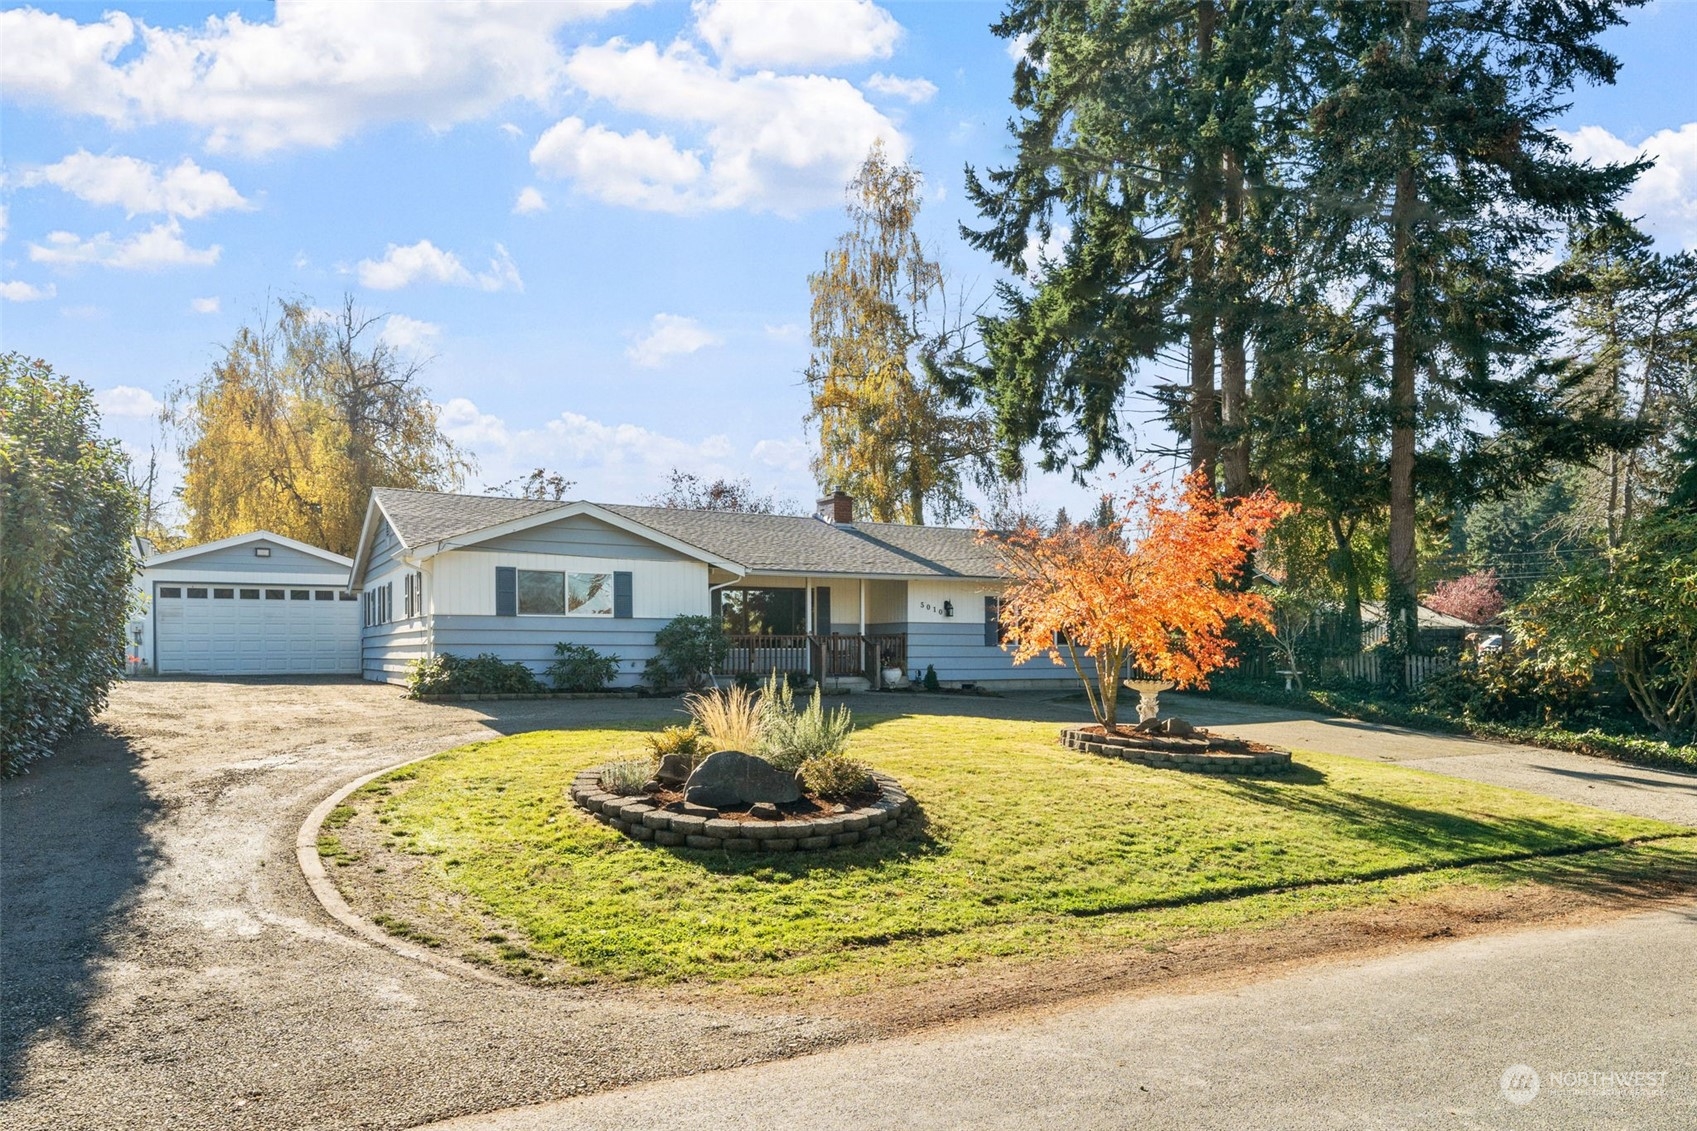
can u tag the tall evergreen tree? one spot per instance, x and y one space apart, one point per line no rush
1148 133
1435 158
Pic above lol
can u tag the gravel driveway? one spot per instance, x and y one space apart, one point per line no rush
165 966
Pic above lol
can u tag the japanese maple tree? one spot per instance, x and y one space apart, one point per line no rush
1152 592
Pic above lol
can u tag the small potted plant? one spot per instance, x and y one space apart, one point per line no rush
891 671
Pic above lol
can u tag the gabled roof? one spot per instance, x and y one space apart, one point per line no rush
244 539
422 517
743 543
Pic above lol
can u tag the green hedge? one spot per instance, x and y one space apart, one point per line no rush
66 515
1623 748
484 674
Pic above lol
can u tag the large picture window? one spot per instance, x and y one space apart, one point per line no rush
763 612
547 592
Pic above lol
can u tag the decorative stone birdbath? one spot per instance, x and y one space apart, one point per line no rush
1149 696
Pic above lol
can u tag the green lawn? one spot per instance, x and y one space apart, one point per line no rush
1026 850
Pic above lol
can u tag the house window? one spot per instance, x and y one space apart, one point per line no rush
171 591
300 594
763 612
413 594
224 594
325 595
250 594
546 592
995 632
273 594
196 592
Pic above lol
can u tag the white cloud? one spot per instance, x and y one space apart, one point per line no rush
5 221
160 246
636 169
914 90
16 291
766 142
425 262
787 332
410 335
511 129
1047 251
1665 196
138 186
784 455
127 401
529 201
317 73
210 305
669 336
611 462
1019 47
818 33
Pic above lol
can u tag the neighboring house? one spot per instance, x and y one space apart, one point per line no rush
256 604
840 600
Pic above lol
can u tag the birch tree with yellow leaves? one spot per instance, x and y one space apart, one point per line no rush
891 433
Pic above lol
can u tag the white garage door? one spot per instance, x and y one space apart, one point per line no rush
218 629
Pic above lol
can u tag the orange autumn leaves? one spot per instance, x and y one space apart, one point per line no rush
1154 593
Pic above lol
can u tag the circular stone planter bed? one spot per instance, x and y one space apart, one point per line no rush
1198 752
803 826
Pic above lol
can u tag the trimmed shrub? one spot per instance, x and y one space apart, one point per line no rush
485 674
581 668
685 740
931 682
835 776
690 650
65 561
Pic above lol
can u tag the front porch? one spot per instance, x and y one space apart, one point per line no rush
825 657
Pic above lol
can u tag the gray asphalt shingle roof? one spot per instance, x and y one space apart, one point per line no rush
430 516
768 542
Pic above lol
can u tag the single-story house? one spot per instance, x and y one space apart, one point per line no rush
255 604
839 599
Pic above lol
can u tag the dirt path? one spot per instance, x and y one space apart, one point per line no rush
165 965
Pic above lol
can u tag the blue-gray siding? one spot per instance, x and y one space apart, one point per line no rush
581 536
957 649
285 561
531 640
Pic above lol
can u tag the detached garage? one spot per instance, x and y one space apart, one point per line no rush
256 604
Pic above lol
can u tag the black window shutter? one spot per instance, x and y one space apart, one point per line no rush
992 621
621 595
506 591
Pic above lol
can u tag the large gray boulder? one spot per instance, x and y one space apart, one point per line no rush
731 777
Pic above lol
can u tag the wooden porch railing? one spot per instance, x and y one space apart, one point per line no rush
836 654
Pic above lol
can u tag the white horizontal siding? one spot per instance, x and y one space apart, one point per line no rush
464 583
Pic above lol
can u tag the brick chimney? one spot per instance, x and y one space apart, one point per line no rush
837 508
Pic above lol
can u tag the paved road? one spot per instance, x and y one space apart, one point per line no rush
1418 1040
1666 795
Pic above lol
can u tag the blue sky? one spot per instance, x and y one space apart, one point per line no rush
595 220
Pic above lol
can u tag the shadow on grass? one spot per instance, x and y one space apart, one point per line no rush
1421 831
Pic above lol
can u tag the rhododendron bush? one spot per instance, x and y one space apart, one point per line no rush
1153 592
